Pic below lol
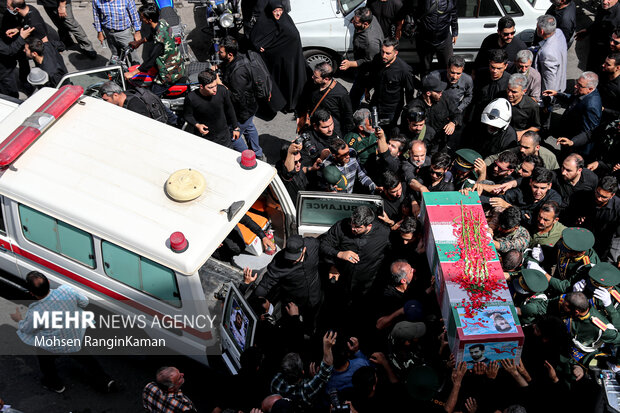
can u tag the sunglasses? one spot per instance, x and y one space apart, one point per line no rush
614 41
436 173
512 33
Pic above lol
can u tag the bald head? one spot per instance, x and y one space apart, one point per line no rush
269 401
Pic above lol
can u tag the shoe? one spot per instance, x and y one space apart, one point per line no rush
55 388
91 54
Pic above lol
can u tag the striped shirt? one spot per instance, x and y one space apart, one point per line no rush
115 15
352 171
65 299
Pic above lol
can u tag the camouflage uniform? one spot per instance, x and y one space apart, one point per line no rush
170 64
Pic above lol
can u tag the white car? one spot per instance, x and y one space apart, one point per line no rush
327 32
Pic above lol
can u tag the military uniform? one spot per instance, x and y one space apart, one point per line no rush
169 64
530 298
589 332
464 162
574 240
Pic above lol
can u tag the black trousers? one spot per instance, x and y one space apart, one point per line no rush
428 49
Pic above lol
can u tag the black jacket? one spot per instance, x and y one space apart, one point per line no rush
237 77
437 23
336 102
296 282
358 278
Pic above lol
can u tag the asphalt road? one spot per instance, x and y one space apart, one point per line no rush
19 375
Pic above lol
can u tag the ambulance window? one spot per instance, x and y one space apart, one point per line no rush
140 273
57 236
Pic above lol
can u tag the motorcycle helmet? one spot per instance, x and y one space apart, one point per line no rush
498 114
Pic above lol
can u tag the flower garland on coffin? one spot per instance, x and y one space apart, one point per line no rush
475 251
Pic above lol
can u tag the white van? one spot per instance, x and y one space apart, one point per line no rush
86 205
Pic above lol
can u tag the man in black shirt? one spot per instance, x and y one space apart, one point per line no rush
237 77
530 199
46 57
111 92
609 88
8 62
389 75
525 112
504 39
316 141
606 20
414 126
441 113
29 16
459 85
431 178
293 276
394 193
598 211
211 113
573 178
418 158
355 249
293 175
390 14
565 13
437 32
490 82
324 92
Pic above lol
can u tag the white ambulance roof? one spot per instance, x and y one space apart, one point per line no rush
6 108
103 168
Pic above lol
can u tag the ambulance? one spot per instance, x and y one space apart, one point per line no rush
86 199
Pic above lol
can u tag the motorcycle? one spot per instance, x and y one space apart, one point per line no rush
174 97
223 17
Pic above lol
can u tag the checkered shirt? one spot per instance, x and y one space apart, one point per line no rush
156 401
115 15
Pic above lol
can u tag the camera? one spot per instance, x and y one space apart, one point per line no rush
374 118
335 402
307 144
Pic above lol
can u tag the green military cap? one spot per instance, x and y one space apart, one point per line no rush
467 157
531 281
334 177
578 239
605 274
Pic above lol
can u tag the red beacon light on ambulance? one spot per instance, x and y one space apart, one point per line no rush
34 126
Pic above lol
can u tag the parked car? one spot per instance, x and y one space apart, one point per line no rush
327 32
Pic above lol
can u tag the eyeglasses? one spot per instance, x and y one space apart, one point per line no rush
298 162
615 41
512 33
436 173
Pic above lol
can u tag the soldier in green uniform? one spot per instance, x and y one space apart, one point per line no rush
165 54
530 299
589 329
602 285
467 169
572 251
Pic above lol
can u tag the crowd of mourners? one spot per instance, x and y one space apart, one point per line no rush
350 320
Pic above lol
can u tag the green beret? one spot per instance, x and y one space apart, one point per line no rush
605 274
578 239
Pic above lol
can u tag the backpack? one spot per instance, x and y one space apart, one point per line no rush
153 103
261 78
